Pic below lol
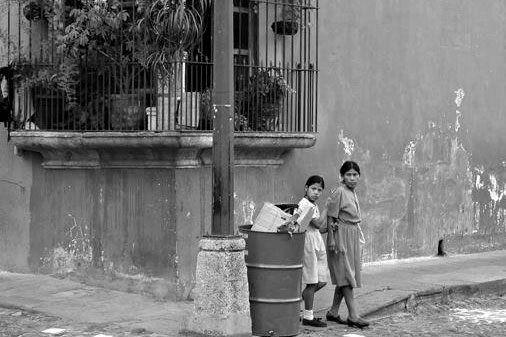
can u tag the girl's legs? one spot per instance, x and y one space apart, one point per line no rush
308 296
338 297
320 285
347 292
353 318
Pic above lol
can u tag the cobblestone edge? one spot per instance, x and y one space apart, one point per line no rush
433 295
11 306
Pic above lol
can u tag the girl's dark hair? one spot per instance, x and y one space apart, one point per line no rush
315 180
349 165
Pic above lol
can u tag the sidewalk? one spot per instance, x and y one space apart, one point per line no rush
386 283
383 284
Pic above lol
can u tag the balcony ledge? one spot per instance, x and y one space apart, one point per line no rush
171 149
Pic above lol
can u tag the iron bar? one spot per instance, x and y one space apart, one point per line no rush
275 74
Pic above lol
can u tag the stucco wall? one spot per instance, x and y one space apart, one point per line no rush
15 188
133 229
414 91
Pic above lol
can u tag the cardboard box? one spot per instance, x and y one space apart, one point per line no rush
269 218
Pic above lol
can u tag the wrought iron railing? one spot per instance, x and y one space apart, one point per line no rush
123 74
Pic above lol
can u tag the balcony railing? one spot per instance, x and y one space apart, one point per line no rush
103 65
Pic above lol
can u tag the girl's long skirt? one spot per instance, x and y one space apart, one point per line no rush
345 267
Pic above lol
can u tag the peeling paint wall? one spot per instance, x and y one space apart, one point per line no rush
107 227
414 92
127 229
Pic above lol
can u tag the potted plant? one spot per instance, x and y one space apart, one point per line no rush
258 106
45 84
120 43
291 18
49 89
171 29
100 36
262 101
132 41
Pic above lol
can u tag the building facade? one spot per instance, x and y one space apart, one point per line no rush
411 90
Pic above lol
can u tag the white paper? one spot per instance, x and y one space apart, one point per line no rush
269 218
54 331
305 218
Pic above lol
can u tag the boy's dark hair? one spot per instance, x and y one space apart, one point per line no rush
349 165
315 180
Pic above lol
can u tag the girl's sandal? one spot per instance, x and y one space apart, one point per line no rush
336 319
359 323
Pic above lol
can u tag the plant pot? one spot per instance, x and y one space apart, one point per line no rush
128 112
32 11
264 116
285 27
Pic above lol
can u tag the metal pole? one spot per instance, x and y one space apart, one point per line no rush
223 120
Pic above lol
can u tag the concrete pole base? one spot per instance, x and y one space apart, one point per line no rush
221 293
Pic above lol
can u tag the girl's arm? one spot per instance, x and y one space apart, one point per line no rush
331 243
339 243
293 219
334 242
320 222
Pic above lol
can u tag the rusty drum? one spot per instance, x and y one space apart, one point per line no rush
274 262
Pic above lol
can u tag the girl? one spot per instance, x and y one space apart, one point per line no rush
314 270
343 243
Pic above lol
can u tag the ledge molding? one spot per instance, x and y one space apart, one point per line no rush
171 149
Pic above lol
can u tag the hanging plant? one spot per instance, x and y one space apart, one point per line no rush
293 15
33 10
285 27
170 28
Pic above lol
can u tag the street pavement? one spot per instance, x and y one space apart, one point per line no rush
386 286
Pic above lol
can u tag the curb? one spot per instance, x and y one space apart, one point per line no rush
11 306
435 294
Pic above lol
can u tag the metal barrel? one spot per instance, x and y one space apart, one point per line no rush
274 262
